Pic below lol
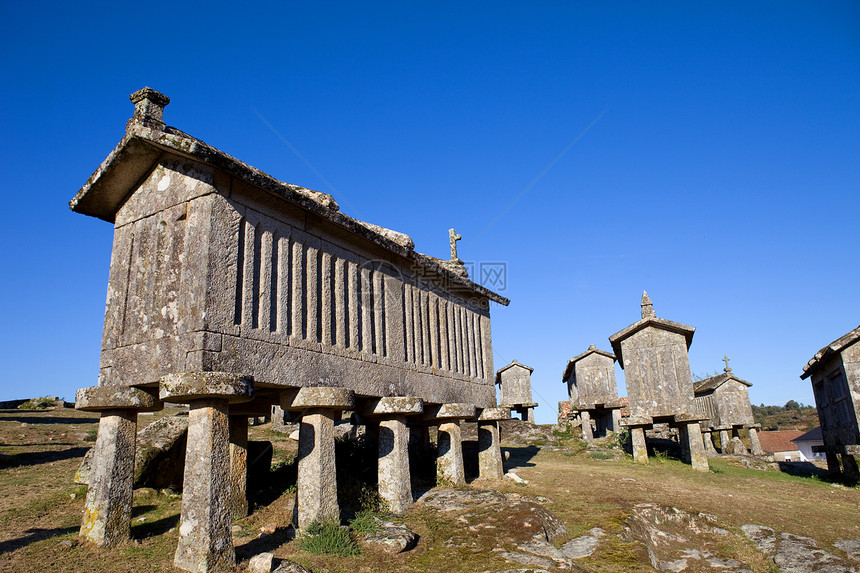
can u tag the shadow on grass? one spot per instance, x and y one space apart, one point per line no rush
40 418
153 528
520 457
266 543
36 458
34 535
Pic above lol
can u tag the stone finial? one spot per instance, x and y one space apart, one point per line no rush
647 307
726 359
592 347
149 108
453 237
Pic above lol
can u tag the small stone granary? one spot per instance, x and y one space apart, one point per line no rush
835 375
590 379
725 400
653 354
515 390
231 291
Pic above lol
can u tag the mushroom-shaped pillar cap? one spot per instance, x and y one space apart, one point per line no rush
450 411
184 387
297 399
494 414
111 397
393 405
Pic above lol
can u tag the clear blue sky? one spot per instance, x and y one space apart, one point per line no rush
721 170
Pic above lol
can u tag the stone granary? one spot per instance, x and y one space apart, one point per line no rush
515 390
835 375
590 379
231 291
725 400
653 354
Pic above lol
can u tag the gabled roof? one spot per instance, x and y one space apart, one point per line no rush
147 138
511 365
813 435
779 441
662 323
591 350
714 382
836 346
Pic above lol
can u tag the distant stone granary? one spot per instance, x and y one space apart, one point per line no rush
653 354
725 400
835 375
515 389
232 291
590 379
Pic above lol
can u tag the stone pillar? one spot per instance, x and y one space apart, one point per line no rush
849 467
530 415
449 460
616 420
708 440
724 442
205 541
755 444
587 433
833 462
317 475
107 511
698 459
640 448
738 445
395 481
238 466
490 464
684 441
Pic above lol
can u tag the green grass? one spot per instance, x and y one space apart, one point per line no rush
327 538
365 522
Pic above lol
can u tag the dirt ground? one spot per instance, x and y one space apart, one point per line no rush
40 506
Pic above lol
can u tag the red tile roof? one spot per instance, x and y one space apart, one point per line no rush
779 441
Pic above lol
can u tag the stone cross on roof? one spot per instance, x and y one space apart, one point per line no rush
453 237
726 360
647 307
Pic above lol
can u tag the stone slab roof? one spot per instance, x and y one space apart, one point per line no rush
813 435
616 339
714 382
779 441
836 346
147 139
591 350
511 365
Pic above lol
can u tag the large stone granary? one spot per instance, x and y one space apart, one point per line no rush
835 375
653 354
590 379
725 400
232 291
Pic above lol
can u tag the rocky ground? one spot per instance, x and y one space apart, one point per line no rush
564 506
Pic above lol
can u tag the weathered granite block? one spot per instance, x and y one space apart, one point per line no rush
317 483
107 512
205 541
393 466
449 459
238 501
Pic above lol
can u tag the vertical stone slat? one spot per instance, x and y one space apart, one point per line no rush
313 293
264 299
379 306
409 331
248 286
434 330
425 327
326 302
366 312
352 309
444 363
340 303
298 272
416 325
284 286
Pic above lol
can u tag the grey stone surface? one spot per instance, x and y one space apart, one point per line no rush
187 386
725 400
316 483
290 567
696 447
849 546
835 375
763 537
640 447
449 461
393 405
584 545
107 511
526 559
490 464
798 554
238 499
262 563
391 538
102 398
205 541
298 399
393 464
592 390
755 444
515 389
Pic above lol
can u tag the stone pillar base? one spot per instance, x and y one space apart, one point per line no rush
640 448
490 465
724 442
695 446
449 462
107 511
849 467
708 440
587 432
755 444
238 466
833 462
